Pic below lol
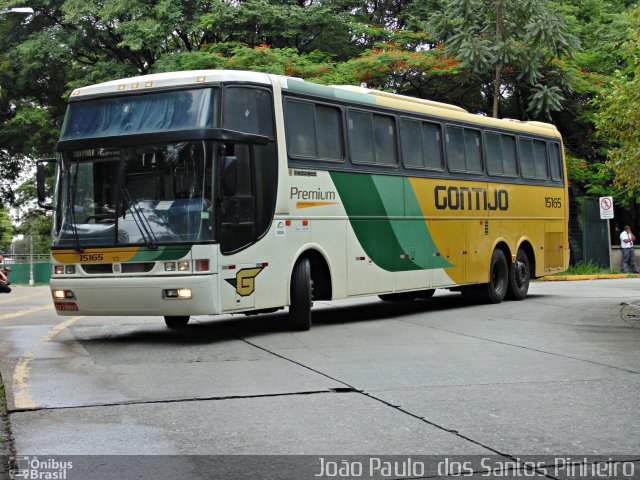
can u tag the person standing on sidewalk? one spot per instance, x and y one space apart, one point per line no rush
4 271
628 252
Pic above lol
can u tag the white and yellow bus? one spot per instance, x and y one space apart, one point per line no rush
220 192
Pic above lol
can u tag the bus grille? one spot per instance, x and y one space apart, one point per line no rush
107 268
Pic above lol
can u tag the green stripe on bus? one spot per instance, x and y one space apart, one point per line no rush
386 218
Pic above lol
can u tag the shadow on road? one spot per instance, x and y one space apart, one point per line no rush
208 330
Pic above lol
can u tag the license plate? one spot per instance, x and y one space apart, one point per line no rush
66 306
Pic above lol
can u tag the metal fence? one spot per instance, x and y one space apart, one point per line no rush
26 258
21 272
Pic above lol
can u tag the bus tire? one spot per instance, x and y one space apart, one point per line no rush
496 289
519 276
301 296
176 322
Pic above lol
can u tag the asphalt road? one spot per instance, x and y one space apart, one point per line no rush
557 374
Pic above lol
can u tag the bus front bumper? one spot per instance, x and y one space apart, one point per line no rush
137 296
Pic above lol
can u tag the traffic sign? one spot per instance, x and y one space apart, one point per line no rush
606 208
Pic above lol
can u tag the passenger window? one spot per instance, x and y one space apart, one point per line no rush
313 131
540 159
509 155
472 150
463 150
329 132
426 153
300 128
371 138
555 160
526 158
501 154
455 149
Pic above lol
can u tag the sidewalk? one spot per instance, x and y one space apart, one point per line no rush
600 276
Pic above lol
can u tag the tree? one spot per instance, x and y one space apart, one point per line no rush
511 46
618 118
31 221
6 229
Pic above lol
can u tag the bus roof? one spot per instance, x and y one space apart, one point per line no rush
171 79
411 104
341 92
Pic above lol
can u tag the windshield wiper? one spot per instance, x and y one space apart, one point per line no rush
139 219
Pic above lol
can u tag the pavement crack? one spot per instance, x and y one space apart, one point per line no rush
523 347
180 400
398 408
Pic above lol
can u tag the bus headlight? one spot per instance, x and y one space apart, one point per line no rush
63 294
184 266
169 266
184 293
58 269
181 293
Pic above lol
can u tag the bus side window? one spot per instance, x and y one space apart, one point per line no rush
248 110
526 158
455 149
555 160
421 144
540 159
371 138
500 154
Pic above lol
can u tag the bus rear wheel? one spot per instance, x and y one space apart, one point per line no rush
519 276
301 296
176 322
496 289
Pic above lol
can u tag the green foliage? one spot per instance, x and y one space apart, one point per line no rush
584 268
597 180
6 229
31 220
618 119
511 46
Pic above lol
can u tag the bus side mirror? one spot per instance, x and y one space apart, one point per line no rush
229 176
41 177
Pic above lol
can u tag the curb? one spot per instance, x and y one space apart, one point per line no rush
602 276
5 438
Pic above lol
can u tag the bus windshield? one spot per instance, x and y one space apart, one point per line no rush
142 195
134 114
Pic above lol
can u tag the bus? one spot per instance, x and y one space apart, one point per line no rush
221 192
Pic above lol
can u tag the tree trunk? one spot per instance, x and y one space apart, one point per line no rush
496 80
496 92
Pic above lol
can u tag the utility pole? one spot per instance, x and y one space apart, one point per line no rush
31 282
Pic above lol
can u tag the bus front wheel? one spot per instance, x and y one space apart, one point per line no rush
519 276
176 322
301 296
